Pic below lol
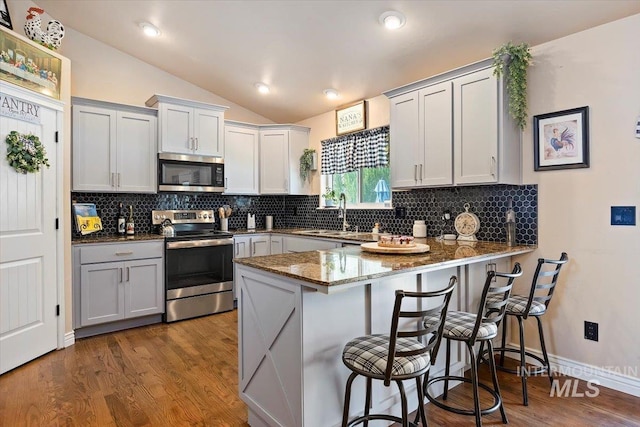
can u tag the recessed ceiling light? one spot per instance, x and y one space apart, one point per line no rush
150 29
330 93
262 88
392 20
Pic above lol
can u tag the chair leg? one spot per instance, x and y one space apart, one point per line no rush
367 403
543 347
474 382
494 377
446 371
523 363
403 399
347 398
423 417
504 339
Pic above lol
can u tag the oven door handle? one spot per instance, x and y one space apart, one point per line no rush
199 243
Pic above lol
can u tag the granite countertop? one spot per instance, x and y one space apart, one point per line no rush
111 238
350 264
350 236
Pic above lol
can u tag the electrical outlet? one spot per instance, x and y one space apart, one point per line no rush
401 212
590 331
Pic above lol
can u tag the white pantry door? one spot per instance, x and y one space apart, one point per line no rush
28 271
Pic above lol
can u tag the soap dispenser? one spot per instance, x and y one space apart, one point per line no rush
511 224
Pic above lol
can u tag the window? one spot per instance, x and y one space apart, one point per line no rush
358 166
365 186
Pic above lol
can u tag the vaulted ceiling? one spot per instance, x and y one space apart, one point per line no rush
300 48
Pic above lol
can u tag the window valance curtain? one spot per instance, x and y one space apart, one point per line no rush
366 149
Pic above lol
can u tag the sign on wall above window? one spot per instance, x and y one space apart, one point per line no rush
351 118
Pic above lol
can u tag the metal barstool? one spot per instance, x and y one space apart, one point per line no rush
399 356
472 328
535 305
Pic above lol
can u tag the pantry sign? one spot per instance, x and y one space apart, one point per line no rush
351 118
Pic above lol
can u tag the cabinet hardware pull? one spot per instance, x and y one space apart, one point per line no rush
493 166
226 183
112 179
415 172
124 253
197 144
120 274
118 180
128 274
253 252
421 176
191 143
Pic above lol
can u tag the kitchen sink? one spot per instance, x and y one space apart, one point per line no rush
332 233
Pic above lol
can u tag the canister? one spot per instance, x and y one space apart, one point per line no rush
419 229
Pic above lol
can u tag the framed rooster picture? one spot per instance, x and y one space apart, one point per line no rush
29 65
5 19
561 140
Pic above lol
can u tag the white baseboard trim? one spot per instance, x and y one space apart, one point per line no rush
69 339
608 376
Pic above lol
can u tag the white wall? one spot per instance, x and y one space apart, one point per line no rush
323 127
600 68
104 73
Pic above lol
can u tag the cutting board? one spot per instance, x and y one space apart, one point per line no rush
373 247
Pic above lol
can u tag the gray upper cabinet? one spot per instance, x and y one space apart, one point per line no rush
189 127
453 129
114 147
280 149
241 151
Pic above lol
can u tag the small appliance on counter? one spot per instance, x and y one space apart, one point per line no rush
268 222
251 222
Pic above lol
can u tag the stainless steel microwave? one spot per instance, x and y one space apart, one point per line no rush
194 174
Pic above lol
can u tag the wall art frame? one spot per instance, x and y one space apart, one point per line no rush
5 18
351 118
561 139
28 65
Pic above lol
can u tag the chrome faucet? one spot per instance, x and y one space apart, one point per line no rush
342 211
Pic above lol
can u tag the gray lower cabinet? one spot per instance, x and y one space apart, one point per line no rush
109 290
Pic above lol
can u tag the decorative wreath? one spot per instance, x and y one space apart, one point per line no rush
25 153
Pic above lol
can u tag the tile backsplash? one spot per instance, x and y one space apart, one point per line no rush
489 203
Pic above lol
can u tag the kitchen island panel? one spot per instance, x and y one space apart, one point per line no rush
270 348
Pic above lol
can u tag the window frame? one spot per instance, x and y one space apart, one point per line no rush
327 181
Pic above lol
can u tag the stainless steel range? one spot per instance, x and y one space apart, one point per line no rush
198 264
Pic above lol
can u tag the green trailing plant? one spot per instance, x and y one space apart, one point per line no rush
306 163
25 153
512 61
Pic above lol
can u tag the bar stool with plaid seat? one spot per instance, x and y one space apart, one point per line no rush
535 305
472 328
399 356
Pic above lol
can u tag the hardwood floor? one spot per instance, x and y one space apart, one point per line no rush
185 374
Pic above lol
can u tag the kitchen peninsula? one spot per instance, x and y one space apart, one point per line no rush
296 311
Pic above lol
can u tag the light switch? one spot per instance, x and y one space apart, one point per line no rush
623 215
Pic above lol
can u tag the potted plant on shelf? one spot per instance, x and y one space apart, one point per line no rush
512 61
307 163
330 198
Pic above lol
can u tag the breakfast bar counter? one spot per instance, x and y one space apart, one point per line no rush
296 311
326 271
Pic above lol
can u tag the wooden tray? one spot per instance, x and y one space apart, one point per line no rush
373 247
